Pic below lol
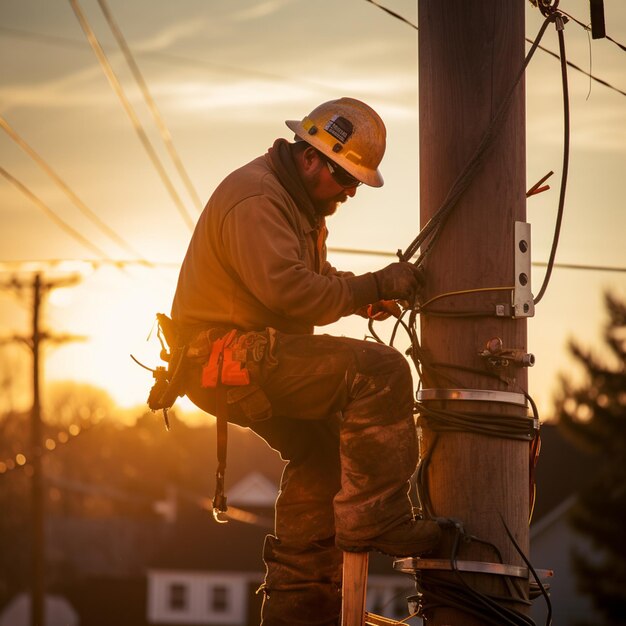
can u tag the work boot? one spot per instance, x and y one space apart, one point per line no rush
411 538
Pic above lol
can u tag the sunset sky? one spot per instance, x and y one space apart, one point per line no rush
225 76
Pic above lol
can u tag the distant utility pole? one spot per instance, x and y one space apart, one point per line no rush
470 54
34 342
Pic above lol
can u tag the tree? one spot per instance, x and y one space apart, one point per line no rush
594 412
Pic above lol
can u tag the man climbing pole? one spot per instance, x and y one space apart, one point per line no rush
254 283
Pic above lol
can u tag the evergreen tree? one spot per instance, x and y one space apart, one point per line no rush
594 412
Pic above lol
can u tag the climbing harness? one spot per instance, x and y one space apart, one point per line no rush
228 357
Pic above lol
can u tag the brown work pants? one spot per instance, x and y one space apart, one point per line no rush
342 416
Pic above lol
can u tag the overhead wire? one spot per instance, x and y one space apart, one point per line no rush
570 266
572 65
152 107
94 263
565 167
431 230
141 133
53 216
587 28
80 205
188 62
177 60
392 13
601 81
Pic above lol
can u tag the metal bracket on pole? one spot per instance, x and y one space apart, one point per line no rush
412 565
523 304
478 395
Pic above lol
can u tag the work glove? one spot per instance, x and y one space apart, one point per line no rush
399 281
379 311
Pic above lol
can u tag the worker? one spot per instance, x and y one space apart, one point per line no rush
253 284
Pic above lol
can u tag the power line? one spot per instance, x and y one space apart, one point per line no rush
587 28
392 13
174 59
82 207
35 342
579 266
554 54
96 264
53 216
569 266
117 87
579 69
158 118
38 264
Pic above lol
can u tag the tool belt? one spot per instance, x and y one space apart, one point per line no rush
228 359
170 380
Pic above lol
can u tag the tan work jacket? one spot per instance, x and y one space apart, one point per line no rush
255 261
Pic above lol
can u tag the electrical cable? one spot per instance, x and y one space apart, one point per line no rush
392 13
532 571
601 81
437 592
568 266
53 216
565 168
460 293
572 65
156 114
430 231
141 133
179 61
587 28
187 62
80 205
94 263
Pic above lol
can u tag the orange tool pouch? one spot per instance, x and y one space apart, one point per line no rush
221 367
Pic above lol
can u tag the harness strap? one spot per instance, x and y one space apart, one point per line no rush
219 499
221 416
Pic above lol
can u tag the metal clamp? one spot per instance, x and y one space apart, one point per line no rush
412 565
477 395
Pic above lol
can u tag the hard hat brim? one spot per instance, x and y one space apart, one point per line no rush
372 178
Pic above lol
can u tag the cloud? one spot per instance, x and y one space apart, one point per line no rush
594 126
85 87
205 96
262 9
229 98
174 33
69 90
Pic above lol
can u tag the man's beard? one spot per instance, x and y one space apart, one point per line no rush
325 208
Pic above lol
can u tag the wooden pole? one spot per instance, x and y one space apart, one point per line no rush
469 56
37 617
34 343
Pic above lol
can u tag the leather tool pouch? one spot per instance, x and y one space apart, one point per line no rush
169 381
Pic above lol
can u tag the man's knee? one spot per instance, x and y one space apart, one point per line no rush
382 381
375 359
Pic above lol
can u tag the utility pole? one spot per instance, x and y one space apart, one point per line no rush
470 54
39 289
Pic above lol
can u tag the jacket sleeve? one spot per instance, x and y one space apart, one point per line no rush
263 248
329 270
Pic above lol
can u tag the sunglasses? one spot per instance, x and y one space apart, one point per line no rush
340 176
